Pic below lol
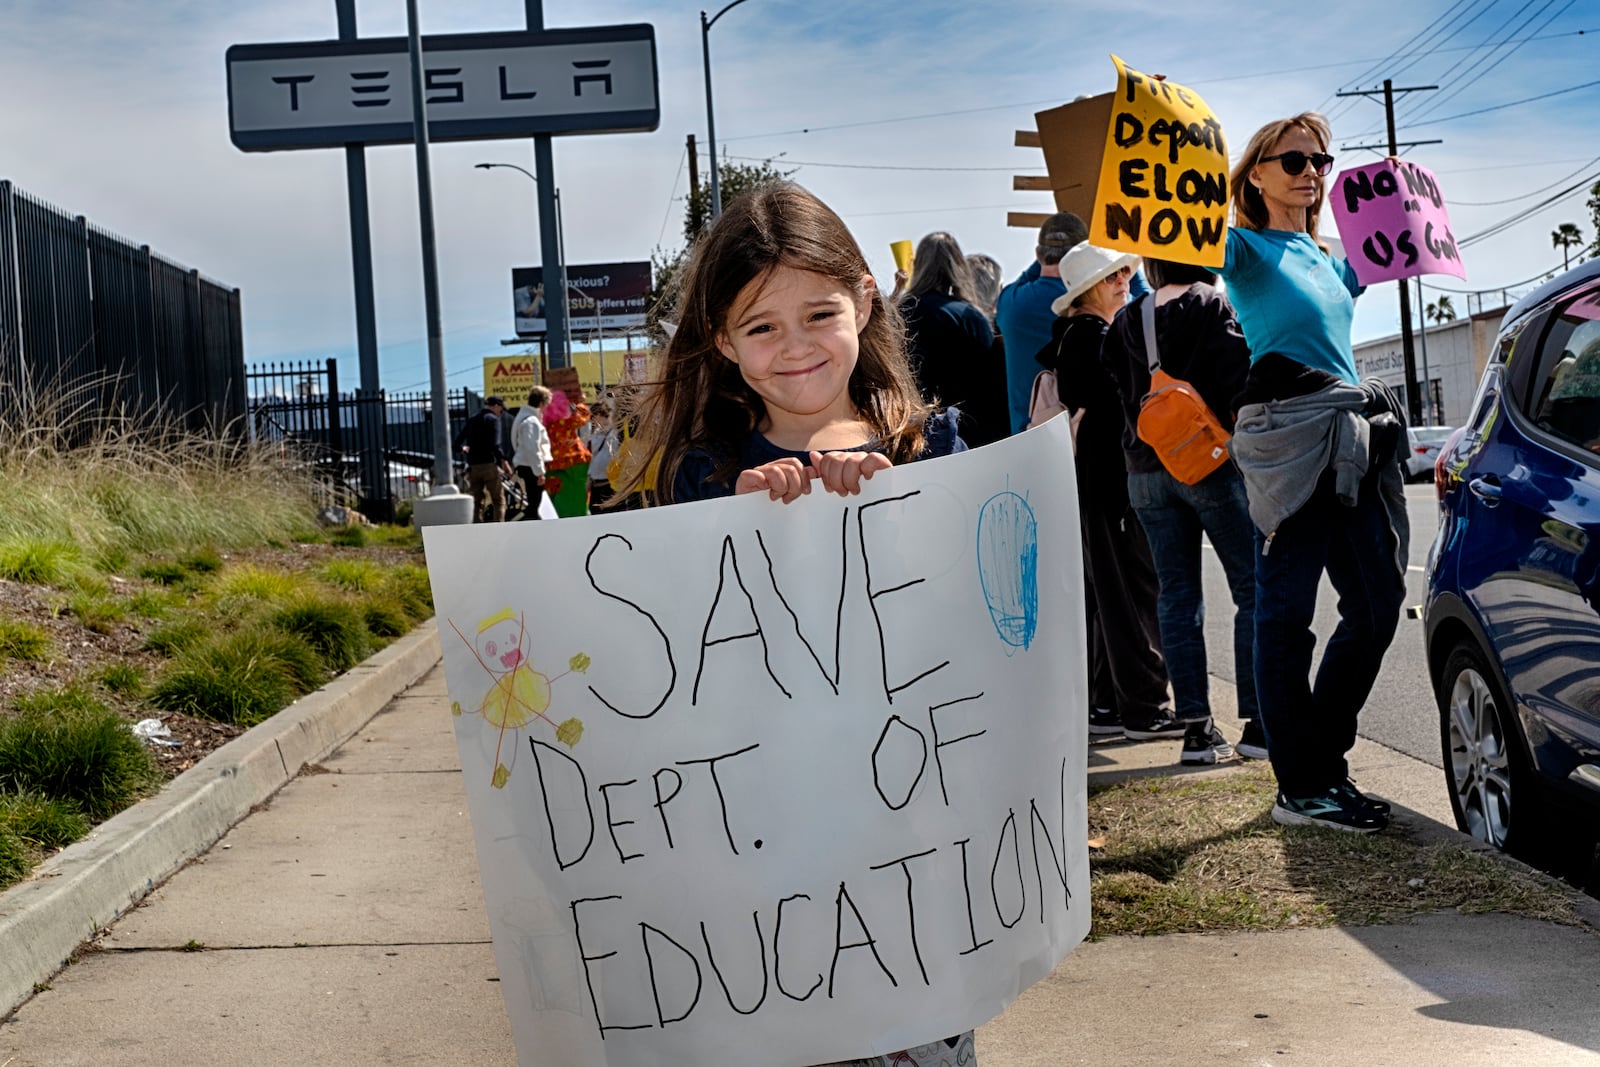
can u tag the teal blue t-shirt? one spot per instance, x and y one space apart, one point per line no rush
1292 298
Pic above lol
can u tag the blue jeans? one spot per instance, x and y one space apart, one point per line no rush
1173 516
1310 727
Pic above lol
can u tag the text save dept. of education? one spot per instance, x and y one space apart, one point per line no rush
836 934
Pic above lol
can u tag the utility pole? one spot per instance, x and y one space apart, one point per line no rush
1407 344
694 170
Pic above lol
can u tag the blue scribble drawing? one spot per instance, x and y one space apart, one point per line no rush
1008 566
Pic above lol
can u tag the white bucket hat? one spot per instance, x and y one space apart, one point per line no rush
1085 265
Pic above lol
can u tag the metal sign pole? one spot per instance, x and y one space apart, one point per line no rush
544 165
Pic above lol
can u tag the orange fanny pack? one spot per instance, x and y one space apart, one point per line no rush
1174 420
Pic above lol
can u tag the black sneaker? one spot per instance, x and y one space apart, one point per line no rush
1253 742
1382 807
1163 727
1204 743
1103 722
1337 808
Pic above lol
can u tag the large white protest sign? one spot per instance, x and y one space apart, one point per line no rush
756 783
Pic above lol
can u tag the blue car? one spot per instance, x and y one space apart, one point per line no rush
1512 619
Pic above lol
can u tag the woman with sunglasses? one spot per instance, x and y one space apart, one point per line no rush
1317 453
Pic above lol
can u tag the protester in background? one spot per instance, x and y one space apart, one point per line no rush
991 404
479 440
1022 313
567 479
530 448
1128 680
1320 460
603 441
1198 341
950 341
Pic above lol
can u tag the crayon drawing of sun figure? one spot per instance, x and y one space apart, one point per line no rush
518 693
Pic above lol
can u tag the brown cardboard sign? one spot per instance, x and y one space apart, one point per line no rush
566 380
1074 140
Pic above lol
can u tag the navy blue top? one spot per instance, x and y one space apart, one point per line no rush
694 478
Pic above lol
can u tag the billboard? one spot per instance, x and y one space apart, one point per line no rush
600 296
510 377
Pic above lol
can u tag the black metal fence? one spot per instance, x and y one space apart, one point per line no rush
301 403
79 304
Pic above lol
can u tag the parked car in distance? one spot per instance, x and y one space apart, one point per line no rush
1512 617
1424 450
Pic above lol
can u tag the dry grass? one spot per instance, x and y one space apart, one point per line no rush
1194 854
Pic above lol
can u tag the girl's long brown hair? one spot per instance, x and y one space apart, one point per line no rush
700 400
1249 207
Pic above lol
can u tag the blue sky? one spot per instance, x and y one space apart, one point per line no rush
117 110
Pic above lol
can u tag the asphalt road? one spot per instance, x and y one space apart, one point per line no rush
1401 712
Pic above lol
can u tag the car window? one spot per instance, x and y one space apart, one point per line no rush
1564 395
1433 435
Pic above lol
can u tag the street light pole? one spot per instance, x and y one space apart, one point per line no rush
561 248
711 119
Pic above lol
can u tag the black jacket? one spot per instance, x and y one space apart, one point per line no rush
1081 379
481 434
1198 340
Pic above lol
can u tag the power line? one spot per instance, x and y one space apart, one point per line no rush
1390 58
1486 110
1511 220
1524 196
867 166
672 197
1457 90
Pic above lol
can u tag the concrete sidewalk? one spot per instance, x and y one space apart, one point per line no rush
343 923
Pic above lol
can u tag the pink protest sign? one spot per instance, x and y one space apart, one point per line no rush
1393 222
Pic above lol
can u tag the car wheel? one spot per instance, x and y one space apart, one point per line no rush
1494 793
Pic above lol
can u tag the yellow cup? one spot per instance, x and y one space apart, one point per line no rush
901 250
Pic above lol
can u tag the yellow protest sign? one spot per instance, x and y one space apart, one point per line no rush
1163 188
510 377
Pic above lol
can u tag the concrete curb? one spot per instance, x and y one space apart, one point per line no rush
91 883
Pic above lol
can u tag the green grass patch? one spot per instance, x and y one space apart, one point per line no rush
356 575
16 859
67 745
23 640
201 561
248 582
1201 853
123 679
348 536
164 572
335 628
408 585
395 535
385 618
150 603
241 678
42 821
173 638
38 561
97 612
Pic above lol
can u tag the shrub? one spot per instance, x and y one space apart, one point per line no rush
357 575
385 617
123 679
37 561
69 746
170 639
23 640
15 862
408 584
240 678
97 612
40 820
337 630
348 536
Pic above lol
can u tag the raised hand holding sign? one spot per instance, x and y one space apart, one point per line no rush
1393 222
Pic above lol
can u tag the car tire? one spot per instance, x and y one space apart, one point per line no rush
1495 794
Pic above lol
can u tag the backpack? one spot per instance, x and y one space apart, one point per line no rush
1174 420
1044 403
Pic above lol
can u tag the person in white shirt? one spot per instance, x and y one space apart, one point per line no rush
530 447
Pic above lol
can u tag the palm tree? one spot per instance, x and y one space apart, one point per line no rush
1565 236
1441 310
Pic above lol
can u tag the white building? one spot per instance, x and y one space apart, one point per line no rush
1454 355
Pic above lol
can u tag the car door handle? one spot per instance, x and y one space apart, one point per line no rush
1485 490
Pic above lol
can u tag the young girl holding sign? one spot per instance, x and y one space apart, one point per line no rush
787 367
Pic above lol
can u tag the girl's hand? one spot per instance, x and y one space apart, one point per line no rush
782 479
841 472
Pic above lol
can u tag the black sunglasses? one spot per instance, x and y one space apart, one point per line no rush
1293 162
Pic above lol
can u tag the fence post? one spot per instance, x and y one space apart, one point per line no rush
335 437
